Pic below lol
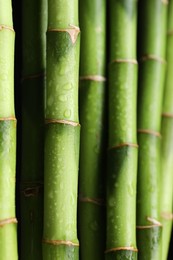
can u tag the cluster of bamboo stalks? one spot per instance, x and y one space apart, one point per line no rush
96 177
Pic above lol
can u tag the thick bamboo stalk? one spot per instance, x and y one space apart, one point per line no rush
33 65
167 142
152 38
8 229
92 150
62 132
122 153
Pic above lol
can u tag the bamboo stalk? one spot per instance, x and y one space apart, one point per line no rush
33 65
152 38
122 153
62 132
92 106
167 143
8 228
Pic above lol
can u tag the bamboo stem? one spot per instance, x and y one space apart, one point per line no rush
62 132
8 228
152 38
92 106
122 153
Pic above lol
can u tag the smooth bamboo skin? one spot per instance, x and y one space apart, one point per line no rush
122 153
34 52
62 132
8 230
92 151
152 38
167 142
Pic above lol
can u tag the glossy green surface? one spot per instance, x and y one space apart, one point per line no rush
63 252
8 232
92 118
167 143
122 255
32 148
61 172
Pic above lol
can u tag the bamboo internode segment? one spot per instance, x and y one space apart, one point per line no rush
96 201
5 27
73 31
150 132
152 57
60 242
128 248
8 221
122 145
33 76
168 115
98 78
132 61
61 121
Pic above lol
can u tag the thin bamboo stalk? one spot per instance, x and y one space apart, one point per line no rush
122 154
92 148
152 38
62 132
167 142
33 65
8 228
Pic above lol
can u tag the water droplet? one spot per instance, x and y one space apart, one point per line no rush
116 183
67 113
50 101
112 202
62 98
68 86
130 190
50 195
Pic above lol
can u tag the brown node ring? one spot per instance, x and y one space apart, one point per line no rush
170 32
32 191
153 57
61 121
98 78
131 61
60 242
123 145
149 132
8 119
99 202
73 31
33 76
167 215
128 248
8 221
5 27
168 115
154 223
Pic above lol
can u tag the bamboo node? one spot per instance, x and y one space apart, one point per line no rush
8 119
33 76
149 132
122 145
165 2
60 242
169 115
73 31
148 57
31 192
127 248
152 221
5 27
132 61
97 201
8 221
93 78
167 215
170 32
61 121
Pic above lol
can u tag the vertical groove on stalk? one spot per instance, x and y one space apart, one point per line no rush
34 24
122 153
8 228
152 38
62 132
167 142
92 106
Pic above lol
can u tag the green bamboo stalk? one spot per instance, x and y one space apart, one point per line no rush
33 65
8 228
92 105
122 153
167 142
62 132
152 38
